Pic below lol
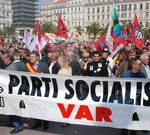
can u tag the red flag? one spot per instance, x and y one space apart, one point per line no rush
38 28
41 40
136 36
61 30
126 35
100 43
117 41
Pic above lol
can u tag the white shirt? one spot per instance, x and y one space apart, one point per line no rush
147 69
51 66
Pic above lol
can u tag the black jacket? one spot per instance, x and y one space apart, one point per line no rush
97 69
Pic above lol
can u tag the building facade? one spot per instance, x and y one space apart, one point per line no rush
84 12
24 13
72 11
100 11
5 13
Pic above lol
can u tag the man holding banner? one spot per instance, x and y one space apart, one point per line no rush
14 63
133 73
37 66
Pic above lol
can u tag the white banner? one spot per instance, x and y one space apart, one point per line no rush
94 101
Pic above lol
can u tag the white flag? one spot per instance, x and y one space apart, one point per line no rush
33 43
27 38
109 38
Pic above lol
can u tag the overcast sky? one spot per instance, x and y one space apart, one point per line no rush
44 1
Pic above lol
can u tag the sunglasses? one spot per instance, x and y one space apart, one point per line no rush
85 57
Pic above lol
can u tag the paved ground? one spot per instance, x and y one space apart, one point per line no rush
56 129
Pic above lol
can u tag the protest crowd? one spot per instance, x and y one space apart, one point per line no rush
76 58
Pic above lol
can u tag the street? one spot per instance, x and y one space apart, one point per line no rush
56 129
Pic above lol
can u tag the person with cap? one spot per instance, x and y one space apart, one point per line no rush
108 60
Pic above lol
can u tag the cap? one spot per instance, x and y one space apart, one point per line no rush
105 50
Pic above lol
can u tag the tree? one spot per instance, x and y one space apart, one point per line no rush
9 31
48 27
103 30
145 33
94 28
79 30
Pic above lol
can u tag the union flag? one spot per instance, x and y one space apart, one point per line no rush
61 30
100 43
136 36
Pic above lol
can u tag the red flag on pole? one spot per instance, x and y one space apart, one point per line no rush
136 36
38 28
61 30
126 35
100 43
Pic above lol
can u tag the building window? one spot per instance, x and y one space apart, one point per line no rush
123 15
88 10
129 15
103 17
108 9
147 14
146 24
141 6
98 17
93 10
93 17
108 17
135 7
98 10
147 5
130 7
88 18
118 8
103 9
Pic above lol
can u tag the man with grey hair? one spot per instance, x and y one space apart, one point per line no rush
13 63
145 67
17 64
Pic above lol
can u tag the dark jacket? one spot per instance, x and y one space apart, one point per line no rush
97 69
42 67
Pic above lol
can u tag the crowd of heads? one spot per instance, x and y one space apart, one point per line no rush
76 52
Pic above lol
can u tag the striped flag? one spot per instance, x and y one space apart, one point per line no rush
114 36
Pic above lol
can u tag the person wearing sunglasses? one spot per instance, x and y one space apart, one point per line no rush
84 61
